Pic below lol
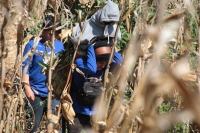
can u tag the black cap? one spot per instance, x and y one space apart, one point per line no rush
49 22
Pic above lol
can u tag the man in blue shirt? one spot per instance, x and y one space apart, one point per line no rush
36 89
93 66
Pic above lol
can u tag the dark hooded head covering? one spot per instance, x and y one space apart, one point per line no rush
102 50
99 25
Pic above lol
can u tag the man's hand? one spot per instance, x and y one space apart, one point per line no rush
29 93
28 90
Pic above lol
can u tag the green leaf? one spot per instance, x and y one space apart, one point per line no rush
43 64
41 103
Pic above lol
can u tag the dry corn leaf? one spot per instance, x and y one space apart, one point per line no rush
64 34
116 117
84 1
100 126
53 122
190 77
67 109
146 45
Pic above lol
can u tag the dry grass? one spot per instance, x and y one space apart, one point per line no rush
160 76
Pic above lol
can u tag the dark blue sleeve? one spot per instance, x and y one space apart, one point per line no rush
26 49
88 65
58 47
117 58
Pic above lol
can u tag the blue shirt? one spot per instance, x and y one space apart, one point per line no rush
89 67
37 78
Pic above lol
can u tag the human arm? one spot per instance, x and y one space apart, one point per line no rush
116 62
115 67
28 91
88 65
117 58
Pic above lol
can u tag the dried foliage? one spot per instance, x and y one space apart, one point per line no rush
160 72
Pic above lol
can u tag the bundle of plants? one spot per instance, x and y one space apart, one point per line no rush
62 64
60 74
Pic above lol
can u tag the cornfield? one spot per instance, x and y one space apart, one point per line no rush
157 89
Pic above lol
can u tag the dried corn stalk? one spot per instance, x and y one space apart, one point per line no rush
15 14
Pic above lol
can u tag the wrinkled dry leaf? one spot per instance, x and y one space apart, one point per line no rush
67 110
65 34
84 1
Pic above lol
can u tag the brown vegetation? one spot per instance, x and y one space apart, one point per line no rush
154 74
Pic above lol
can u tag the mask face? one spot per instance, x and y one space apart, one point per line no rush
57 36
101 64
47 35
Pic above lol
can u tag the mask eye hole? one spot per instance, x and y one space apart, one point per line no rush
109 23
102 62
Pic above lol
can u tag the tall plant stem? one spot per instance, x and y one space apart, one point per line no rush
14 100
50 126
199 49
